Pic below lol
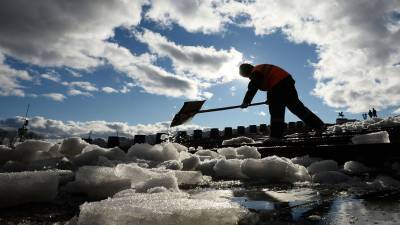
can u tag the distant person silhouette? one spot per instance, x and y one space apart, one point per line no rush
364 115
281 93
374 112
370 114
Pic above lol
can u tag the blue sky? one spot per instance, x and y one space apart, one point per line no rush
48 69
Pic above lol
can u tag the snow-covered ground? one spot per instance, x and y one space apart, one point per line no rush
166 184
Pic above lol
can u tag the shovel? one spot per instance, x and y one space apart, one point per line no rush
190 109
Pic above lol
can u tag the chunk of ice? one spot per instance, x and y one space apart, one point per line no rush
371 138
304 160
324 165
72 146
330 177
238 141
275 169
171 165
97 182
229 168
160 152
25 187
167 181
191 163
247 152
166 208
353 167
209 153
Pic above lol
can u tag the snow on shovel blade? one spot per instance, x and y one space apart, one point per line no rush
188 111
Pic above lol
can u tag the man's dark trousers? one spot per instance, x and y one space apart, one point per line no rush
284 95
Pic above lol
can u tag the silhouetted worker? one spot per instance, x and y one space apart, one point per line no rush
364 115
374 112
370 114
281 93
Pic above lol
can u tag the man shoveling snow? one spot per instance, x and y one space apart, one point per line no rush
281 93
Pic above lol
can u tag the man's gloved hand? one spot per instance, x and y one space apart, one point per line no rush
244 105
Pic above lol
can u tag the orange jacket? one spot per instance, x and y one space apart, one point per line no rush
268 75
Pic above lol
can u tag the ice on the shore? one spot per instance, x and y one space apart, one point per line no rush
166 208
26 187
324 165
371 138
354 167
274 169
207 167
72 146
238 141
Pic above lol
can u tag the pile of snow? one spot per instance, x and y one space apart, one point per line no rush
166 208
371 138
25 187
243 152
238 141
207 154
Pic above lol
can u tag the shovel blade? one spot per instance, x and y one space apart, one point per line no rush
188 111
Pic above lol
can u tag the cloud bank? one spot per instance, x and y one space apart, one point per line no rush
50 128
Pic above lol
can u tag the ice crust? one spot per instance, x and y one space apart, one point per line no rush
165 208
238 141
371 138
160 152
25 187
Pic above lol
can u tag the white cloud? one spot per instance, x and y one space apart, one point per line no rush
51 76
59 129
397 111
193 15
261 113
358 44
206 64
233 90
75 92
57 33
10 80
109 90
84 85
55 96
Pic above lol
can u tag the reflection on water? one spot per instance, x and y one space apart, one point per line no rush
308 206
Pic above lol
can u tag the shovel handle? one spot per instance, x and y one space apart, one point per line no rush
230 107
